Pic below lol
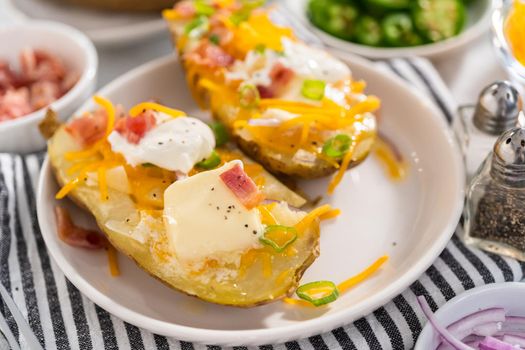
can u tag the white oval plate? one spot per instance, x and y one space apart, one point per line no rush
506 295
478 22
104 28
411 221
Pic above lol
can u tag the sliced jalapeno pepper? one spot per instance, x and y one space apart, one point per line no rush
437 20
398 30
334 16
368 31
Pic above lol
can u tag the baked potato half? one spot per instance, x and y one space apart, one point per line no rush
293 108
140 230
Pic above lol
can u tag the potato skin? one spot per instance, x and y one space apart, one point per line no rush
253 290
275 162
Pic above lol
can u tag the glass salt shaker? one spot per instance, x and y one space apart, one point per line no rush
478 126
494 212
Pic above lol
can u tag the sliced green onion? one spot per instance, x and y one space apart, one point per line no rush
214 39
148 165
313 89
337 146
202 8
245 11
278 237
318 293
211 162
197 27
240 16
248 96
260 49
220 132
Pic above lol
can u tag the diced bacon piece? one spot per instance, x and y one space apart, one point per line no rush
281 77
69 81
265 91
210 55
43 93
77 236
219 29
242 186
88 128
38 65
185 9
7 76
14 104
134 128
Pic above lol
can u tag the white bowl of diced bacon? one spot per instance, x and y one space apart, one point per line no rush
42 65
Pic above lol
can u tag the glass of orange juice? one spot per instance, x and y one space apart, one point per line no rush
508 37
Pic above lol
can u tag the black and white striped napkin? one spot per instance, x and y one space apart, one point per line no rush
62 318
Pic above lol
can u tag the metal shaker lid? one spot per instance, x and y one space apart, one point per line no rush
508 161
498 108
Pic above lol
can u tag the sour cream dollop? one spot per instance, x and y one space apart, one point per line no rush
306 62
175 144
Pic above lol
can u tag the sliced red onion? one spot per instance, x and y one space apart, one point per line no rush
484 322
514 340
513 324
445 334
491 343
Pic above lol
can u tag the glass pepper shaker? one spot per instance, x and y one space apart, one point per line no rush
494 212
478 126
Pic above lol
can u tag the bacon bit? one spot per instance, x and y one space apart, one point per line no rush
185 9
88 128
210 55
38 65
242 186
77 236
14 103
281 77
43 93
42 79
134 128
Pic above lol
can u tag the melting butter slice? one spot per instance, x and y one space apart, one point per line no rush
204 219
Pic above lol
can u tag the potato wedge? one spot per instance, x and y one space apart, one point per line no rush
262 275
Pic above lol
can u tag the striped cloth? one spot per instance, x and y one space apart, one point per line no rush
62 318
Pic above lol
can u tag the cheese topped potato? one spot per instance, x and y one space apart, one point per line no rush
294 108
203 219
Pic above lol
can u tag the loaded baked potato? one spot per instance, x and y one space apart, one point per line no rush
206 221
293 108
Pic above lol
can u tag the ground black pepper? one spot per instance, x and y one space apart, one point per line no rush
500 217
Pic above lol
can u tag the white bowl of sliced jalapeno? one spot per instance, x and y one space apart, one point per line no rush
393 28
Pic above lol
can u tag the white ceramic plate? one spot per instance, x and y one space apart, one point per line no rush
411 221
478 23
104 28
506 295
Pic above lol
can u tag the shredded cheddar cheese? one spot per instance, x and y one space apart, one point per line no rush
110 110
114 269
137 109
360 277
